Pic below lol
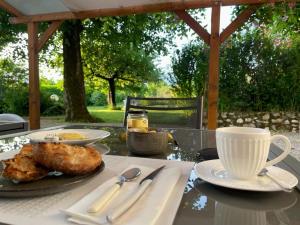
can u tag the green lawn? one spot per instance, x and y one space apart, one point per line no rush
155 117
107 115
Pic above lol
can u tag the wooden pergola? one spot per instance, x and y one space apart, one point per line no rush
32 12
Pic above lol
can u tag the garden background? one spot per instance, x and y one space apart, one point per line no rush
120 56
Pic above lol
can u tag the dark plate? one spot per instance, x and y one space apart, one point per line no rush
46 186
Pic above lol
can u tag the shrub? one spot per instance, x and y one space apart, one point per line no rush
17 101
54 110
98 99
3 106
49 106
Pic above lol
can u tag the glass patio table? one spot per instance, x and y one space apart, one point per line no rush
204 203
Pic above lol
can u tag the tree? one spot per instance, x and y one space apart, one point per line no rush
12 74
120 50
259 65
119 65
262 60
280 22
189 70
158 89
10 33
73 73
148 32
13 85
257 75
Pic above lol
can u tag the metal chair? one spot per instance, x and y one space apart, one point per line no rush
166 104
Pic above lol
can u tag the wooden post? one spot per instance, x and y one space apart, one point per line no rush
213 84
34 85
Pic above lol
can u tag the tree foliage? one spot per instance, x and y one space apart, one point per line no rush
13 79
12 74
10 33
255 74
14 94
120 50
120 66
279 22
259 65
258 75
189 70
135 39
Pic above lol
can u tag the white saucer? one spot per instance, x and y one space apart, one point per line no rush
213 172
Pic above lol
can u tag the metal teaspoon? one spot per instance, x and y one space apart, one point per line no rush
265 172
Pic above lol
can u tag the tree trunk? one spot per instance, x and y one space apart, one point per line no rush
112 93
74 91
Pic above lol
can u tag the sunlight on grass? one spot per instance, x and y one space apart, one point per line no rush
107 115
155 117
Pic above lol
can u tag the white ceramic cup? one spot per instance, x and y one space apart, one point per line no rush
243 151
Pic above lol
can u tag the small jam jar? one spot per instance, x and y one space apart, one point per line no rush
137 119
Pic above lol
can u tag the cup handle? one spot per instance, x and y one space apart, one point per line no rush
285 152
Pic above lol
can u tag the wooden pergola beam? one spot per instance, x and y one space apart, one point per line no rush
238 22
34 80
47 34
193 24
214 58
122 11
12 10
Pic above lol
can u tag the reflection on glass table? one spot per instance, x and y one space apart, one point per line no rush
204 203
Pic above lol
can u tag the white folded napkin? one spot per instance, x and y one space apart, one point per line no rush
145 211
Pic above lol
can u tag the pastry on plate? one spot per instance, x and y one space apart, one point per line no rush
68 159
23 168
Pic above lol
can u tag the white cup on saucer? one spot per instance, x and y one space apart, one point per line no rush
243 151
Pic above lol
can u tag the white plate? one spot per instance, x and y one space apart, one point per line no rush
91 136
213 172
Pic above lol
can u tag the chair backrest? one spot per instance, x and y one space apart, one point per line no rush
167 104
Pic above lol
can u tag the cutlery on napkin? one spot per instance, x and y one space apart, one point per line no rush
139 210
143 185
126 176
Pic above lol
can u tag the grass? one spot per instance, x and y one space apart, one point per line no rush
155 117
107 115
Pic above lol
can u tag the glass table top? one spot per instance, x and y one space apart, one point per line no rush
203 203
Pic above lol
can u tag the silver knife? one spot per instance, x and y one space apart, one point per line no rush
143 185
